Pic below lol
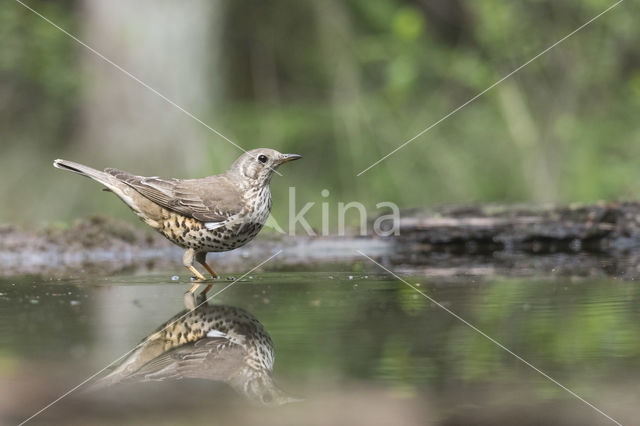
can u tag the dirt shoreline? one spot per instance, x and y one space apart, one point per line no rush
601 239
102 246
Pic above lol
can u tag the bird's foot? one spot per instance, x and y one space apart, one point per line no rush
195 272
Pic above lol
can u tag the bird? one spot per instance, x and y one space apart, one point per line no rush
213 342
212 214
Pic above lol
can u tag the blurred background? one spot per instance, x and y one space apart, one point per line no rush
342 83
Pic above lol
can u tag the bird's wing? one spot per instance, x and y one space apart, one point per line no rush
213 200
210 358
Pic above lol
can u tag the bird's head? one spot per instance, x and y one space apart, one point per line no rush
258 165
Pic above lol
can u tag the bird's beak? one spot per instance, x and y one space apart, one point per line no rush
289 157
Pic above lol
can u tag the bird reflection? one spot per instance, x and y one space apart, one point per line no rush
213 342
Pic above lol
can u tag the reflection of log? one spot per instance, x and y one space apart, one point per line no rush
600 239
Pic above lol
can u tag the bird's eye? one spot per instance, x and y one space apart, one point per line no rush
262 158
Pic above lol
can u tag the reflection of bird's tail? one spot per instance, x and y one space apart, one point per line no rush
115 185
102 383
121 374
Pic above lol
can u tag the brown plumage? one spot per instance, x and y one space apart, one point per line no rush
212 214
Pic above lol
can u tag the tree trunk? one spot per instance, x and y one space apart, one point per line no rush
167 45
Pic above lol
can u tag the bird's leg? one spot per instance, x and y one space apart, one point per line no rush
189 300
202 297
187 261
201 258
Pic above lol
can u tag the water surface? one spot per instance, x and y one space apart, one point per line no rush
359 346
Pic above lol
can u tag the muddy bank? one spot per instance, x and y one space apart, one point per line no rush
101 246
580 240
95 244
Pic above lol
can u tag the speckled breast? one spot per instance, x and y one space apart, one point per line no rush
191 233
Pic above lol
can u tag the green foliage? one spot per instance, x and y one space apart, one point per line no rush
41 79
345 83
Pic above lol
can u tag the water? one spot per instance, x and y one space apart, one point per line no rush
359 346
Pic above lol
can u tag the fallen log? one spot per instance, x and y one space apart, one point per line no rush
598 228
601 239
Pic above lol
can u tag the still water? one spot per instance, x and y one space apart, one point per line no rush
355 347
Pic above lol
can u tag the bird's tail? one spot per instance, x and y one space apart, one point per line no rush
81 169
118 187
